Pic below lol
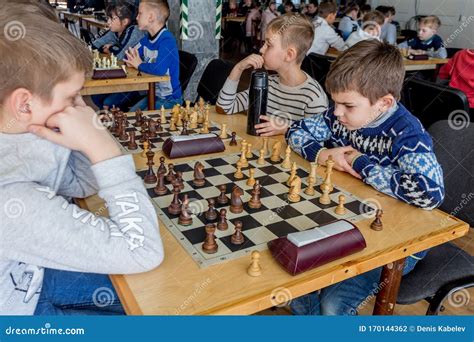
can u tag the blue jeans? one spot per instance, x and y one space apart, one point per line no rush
76 293
166 103
345 297
120 100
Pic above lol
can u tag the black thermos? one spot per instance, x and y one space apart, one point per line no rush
258 94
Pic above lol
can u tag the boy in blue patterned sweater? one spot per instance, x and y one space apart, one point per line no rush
372 137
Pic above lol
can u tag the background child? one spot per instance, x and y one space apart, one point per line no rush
68 155
324 34
371 28
373 137
311 10
292 93
348 23
427 42
460 73
157 54
389 30
268 15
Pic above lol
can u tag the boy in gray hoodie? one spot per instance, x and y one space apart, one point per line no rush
55 256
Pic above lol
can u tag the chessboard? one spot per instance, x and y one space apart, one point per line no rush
163 132
276 217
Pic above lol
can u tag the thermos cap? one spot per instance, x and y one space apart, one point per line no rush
259 78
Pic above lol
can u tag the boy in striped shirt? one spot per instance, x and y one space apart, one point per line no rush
292 94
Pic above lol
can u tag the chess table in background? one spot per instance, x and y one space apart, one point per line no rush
156 144
277 217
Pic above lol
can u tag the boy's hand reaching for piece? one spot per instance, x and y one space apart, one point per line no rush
339 157
78 128
269 126
133 58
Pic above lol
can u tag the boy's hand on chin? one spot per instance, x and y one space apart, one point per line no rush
339 157
255 61
79 128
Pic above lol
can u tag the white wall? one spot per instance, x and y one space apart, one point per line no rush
457 17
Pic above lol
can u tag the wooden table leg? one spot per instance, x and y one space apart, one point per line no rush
151 96
389 286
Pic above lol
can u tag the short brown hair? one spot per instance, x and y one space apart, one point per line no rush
161 6
371 68
351 7
373 17
36 53
294 29
432 21
326 8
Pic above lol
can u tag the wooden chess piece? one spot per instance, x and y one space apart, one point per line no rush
265 146
261 157
199 177
162 167
340 209
185 219
150 177
172 127
313 172
205 127
123 133
223 134
377 223
170 176
255 202
243 155
237 238
327 178
179 179
238 174
236 204
184 131
251 179
222 224
162 116
324 198
211 213
295 189
179 121
222 198
132 144
276 152
159 128
175 207
210 245
233 140
254 269
248 154
310 188
160 188
152 129
292 174
286 164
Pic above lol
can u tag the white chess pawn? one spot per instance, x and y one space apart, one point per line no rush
254 269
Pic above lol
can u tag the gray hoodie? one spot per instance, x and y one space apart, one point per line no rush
40 227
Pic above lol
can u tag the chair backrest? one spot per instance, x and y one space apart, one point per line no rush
317 66
453 148
431 102
187 65
86 36
213 79
452 51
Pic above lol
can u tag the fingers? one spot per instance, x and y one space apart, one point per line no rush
45 133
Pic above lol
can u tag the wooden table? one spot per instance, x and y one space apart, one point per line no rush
94 22
133 82
234 19
179 287
74 16
410 65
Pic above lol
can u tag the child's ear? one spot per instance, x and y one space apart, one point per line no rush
19 103
386 102
291 54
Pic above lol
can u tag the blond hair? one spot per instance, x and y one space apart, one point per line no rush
161 7
294 29
36 53
371 68
431 21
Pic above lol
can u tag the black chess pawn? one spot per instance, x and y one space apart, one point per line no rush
132 144
170 176
211 213
152 129
222 224
237 238
377 223
233 140
160 188
210 245
199 177
162 168
158 127
185 128
150 177
175 207
222 198
185 218
179 179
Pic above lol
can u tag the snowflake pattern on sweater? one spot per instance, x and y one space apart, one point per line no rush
397 156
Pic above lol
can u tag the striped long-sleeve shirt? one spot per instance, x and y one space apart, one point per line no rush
290 103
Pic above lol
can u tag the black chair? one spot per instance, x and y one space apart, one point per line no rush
447 269
317 66
431 102
409 34
213 79
187 65
452 51
86 36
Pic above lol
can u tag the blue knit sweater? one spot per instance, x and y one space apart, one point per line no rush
397 155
